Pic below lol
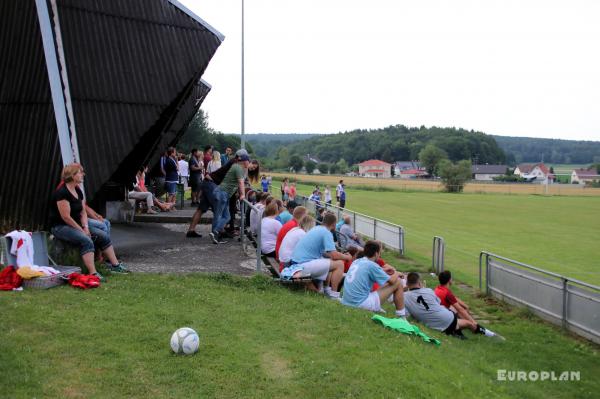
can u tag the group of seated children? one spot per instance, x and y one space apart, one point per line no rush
304 249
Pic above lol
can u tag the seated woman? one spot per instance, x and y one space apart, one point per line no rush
269 228
140 192
69 221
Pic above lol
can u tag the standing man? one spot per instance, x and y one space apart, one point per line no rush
340 194
184 171
171 174
227 156
232 182
196 168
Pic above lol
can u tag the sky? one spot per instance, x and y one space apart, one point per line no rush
528 68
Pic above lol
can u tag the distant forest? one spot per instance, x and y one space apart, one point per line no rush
401 143
393 143
528 149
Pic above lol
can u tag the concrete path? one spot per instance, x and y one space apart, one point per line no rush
164 248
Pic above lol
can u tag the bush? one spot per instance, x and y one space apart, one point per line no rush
454 176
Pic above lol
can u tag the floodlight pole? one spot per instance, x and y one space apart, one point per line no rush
242 142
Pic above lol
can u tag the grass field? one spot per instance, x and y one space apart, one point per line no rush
556 233
259 340
436 186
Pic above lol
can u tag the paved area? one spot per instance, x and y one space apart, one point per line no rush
164 248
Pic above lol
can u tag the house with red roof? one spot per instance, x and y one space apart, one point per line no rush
583 176
375 168
536 173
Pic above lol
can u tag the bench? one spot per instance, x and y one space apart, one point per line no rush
273 267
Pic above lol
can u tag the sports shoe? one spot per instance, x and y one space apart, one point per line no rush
214 236
100 277
458 334
192 234
119 268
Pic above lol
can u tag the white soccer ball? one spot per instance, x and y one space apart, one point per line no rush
185 340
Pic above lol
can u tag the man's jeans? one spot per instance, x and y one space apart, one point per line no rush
220 209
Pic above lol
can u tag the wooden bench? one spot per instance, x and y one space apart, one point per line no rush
273 267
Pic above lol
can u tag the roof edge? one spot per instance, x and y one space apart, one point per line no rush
191 14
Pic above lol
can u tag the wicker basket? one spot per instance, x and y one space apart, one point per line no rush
51 281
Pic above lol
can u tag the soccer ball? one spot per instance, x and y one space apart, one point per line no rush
185 340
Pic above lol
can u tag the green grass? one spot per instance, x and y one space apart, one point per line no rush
556 233
261 340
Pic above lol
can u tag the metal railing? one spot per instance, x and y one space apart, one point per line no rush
244 205
390 234
437 254
561 300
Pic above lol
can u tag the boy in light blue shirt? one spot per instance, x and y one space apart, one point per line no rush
361 276
315 254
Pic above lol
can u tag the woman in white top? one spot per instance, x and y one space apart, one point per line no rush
269 228
257 212
293 236
327 195
215 162
184 171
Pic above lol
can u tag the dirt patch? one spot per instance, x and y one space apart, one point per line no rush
275 366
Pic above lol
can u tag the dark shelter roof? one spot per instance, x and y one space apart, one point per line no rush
129 72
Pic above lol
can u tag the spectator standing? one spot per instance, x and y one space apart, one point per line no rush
338 190
196 170
215 162
327 195
171 174
232 182
184 171
285 189
207 157
292 195
227 156
264 183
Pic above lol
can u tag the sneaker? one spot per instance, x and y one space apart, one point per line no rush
119 268
458 334
192 234
100 277
214 236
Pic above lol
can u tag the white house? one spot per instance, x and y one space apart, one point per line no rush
487 172
537 173
375 168
583 176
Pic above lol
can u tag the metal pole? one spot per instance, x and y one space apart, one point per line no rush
564 302
242 221
374 229
487 274
243 129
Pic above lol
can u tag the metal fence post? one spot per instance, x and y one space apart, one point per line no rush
400 243
565 287
374 229
258 251
487 274
242 221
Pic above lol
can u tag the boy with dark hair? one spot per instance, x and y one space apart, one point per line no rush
361 276
448 299
424 305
